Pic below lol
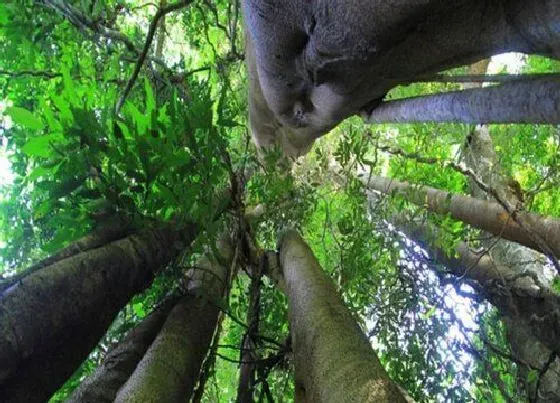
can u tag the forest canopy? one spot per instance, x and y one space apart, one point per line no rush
165 232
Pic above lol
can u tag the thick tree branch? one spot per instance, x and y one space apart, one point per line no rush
522 101
540 243
529 229
484 78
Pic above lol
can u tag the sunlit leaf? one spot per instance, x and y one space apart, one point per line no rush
25 118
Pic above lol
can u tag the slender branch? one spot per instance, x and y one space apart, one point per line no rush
33 73
149 38
50 75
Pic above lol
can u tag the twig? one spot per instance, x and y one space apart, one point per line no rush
149 38
33 73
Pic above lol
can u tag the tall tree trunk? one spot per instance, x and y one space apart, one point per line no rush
249 355
117 228
334 361
171 366
540 233
51 319
535 309
103 385
522 101
161 32
482 159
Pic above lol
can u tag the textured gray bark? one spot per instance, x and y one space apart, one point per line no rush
522 101
321 62
51 319
103 385
482 214
170 368
334 361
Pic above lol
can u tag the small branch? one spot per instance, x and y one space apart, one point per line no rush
50 75
149 38
33 73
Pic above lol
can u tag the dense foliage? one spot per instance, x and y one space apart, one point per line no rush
180 137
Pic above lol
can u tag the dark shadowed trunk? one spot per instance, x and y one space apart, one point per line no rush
334 361
537 231
51 319
103 385
171 366
523 101
249 354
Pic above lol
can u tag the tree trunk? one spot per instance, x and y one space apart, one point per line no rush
524 101
482 159
249 355
51 319
103 385
171 366
118 228
315 71
334 361
489 216
535 309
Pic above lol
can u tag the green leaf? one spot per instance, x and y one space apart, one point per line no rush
150 99
141 120
556 284
37 173
42 209
429 313
139 310
4 19
38 146
69 88
532 376
25 118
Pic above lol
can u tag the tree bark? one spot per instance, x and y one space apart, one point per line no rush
118 228
334 361
249 355
482 214
315 71
536 309
103 385
523 101
171 366
51 319
482 159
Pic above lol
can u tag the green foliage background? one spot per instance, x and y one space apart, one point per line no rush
183 131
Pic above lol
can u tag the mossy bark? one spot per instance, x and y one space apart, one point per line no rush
334 361
483 214
169 370
51 319
103 385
